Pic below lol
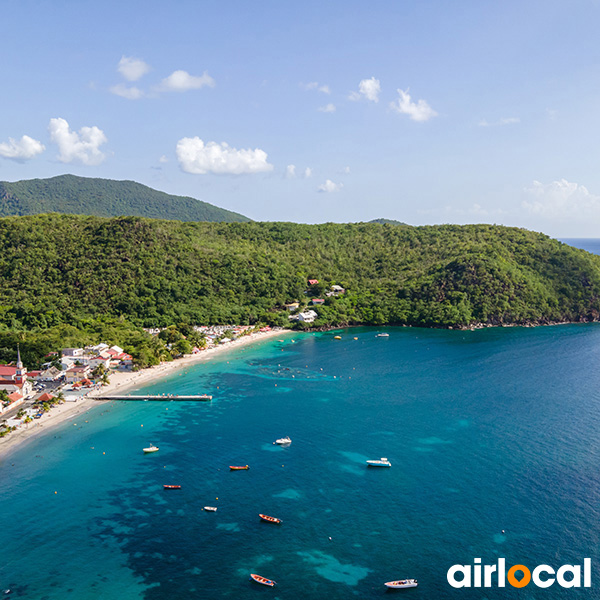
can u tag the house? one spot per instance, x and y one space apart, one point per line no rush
317 301
72 352
313 281
15 399
338 289
308 316
51 374
45 397
293 306
77 373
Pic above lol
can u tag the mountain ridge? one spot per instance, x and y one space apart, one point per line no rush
72 194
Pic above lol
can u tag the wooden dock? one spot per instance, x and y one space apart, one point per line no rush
161 398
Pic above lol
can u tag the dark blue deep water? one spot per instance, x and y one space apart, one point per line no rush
489 430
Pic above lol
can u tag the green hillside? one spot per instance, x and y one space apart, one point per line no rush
56 267
104 198
69 280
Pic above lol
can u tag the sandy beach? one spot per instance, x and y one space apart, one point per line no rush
120 383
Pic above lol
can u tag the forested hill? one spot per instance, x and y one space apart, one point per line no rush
104 198
58 269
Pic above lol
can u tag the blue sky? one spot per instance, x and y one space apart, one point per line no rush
422 111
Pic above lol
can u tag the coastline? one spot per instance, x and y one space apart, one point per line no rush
120 382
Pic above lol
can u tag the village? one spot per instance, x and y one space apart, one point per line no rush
75 373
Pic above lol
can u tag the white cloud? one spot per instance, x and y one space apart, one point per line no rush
307 173
163 159
562 200
77 147
21 150
417 111
182 81
329 187
131 93
329 108
505 121
290 171
314 85
195 156
346 170
367 88
132 68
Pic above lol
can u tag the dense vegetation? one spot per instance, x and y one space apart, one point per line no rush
78 279
104 198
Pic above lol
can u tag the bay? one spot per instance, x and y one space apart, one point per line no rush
487 430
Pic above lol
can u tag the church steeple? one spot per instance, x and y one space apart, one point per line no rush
21 372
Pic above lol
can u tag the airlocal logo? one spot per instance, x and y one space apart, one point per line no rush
519 575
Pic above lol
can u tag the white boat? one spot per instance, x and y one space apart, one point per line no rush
150 449
383 335
402 583
283 441
210 508
382 462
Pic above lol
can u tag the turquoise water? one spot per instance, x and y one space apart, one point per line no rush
489 430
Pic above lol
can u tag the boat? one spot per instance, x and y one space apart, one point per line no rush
269 519
383 335
337 337
171 487
382 462
284 440
244 468
210 508
150 449
402 583
262 580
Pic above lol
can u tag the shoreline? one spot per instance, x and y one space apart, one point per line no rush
121 382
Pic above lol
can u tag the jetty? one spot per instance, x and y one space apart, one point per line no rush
160 398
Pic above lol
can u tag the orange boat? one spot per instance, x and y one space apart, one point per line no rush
244 468
269 519
171 487
262 580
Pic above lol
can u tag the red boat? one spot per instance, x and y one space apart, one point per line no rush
269 519
244 468
262 580
171 487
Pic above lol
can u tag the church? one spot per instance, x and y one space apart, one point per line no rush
13 378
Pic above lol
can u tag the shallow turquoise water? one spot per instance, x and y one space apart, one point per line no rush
486 430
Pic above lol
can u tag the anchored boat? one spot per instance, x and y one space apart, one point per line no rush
283 441
269 519
244 468
150 449
171 487
382 462
402 583
262 580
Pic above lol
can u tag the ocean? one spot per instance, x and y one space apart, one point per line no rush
493 436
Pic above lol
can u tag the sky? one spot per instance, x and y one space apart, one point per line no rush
422 111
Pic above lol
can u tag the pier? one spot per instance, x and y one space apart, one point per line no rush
163 398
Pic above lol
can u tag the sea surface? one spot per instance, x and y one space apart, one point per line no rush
493 436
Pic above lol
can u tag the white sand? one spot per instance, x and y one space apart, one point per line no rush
119 382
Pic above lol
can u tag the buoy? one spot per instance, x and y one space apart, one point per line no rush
503 531
141 425
104 453
56 492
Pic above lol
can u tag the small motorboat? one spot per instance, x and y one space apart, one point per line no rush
383 335
402 583
210 508
283 441
171 487
337 337
262 580
150 449
269 519
244 468
382 462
